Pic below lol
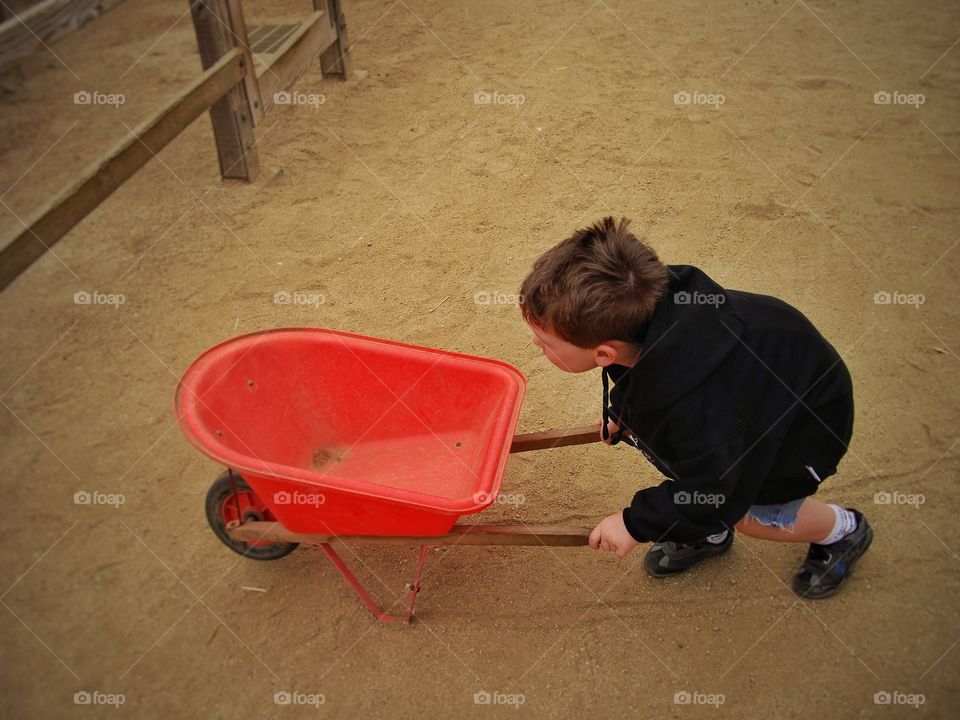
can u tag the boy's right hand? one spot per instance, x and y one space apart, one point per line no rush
612 428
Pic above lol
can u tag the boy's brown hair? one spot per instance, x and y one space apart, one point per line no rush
600 284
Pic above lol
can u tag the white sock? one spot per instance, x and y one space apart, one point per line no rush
845 523
718 537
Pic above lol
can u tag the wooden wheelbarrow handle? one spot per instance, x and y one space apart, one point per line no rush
555 535
556 438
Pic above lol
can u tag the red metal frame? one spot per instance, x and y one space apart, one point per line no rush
537 535
362 593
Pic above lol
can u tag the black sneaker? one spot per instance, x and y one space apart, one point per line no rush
828 566
669 557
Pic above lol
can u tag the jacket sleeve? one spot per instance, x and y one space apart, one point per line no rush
709 491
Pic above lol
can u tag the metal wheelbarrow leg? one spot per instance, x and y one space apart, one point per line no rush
362 593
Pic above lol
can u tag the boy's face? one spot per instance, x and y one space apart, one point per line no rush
569 357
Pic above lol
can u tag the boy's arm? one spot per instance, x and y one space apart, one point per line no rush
710 494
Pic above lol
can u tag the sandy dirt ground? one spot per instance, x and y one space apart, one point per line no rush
398 199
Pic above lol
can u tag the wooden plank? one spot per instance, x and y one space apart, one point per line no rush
269 38
313 37
518 535
55 219
255 33
336 59
277 41
233 115
44 23
556 438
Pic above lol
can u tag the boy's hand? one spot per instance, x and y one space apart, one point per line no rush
611 534
612 427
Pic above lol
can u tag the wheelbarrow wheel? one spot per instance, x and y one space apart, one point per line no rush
225 506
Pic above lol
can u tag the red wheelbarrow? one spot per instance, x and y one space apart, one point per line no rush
330 436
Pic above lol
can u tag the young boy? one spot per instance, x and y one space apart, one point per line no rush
735 397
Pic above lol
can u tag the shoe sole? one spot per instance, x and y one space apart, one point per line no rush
836 588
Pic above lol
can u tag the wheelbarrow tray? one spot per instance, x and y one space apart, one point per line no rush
341 433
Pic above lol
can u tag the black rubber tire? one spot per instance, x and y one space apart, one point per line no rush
216 496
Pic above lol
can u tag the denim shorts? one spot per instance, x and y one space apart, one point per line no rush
782 516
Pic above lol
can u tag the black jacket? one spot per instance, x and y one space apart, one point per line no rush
737 399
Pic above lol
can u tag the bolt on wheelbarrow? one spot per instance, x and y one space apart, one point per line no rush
328 435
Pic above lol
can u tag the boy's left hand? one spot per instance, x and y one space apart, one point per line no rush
611 534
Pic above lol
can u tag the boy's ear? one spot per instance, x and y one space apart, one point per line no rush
605 355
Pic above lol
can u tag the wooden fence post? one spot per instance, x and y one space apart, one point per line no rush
336 60
218 31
